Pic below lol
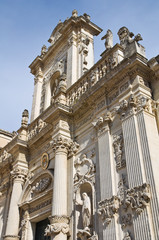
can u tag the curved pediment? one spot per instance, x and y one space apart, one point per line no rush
36 187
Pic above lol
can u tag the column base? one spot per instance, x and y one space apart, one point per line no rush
11 237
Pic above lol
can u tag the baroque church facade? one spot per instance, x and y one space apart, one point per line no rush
86 166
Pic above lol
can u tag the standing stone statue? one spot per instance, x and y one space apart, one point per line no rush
108 39
86 211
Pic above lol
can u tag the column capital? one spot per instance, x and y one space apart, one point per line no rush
19 174
58 224
62 144
103 122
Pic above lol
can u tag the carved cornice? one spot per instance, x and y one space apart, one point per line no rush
58 224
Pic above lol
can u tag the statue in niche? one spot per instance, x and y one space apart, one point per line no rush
86 211
108 39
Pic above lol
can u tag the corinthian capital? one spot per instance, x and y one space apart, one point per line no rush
61 143
19 174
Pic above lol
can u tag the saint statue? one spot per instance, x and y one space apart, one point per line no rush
86 211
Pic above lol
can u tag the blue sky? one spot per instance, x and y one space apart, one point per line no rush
25 25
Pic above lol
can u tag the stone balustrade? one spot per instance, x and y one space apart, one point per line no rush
110 59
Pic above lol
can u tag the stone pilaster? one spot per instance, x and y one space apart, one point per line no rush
148 134
12 228
105 161
37 95
134 162
59 221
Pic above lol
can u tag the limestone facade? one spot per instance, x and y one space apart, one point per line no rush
86 166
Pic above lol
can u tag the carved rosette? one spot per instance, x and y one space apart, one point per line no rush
108 208
19 174
58 224
118 151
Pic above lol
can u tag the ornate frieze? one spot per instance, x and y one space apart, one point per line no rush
41 185
36 129
40 206
118 151
108 208
58 224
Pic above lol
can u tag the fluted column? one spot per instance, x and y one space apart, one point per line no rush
105 165
13 215
59 221
134 163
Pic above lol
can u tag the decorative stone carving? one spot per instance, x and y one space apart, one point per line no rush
59 66
85 168
118 151
41 185
144 103
19 174
43 50
42 205
126 37
126 220
108 208
137 198
65 144
127 236
58 224
24 226
4 156
108 39
37 128
103 122
25 118
127 107
94 237
122 188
